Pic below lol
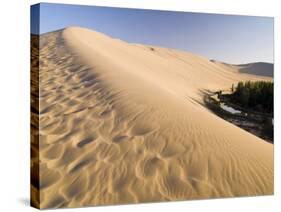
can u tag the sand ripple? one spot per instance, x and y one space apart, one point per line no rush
118 125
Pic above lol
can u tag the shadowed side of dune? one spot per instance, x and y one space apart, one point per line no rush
263 69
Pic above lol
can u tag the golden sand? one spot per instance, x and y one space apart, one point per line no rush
126 123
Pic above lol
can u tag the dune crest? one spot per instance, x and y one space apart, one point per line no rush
125 123
258 68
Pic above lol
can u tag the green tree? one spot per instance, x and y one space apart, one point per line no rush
255 95
244 96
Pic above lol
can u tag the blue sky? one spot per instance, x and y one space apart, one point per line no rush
228 38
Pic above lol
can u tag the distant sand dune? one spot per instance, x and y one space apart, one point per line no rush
124 123
263 69
259 68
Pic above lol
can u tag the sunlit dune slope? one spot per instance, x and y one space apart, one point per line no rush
126 123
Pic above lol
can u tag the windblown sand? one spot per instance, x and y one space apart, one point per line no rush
126 123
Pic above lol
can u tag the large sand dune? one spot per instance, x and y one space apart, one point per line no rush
126 123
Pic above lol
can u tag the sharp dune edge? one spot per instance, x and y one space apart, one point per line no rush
126 123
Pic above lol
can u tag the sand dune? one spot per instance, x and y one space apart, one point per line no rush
263 69
258 68
126 123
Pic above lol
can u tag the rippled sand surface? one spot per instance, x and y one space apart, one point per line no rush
126 123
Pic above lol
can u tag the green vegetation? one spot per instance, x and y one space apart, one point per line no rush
256 96
254 100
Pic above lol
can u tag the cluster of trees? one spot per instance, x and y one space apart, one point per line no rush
254 95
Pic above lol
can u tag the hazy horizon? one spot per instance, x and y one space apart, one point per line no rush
232 39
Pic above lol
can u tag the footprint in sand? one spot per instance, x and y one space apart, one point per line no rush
106 113
121 138
140 130
149 165
86 141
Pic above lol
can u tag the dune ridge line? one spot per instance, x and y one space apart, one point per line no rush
126 123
